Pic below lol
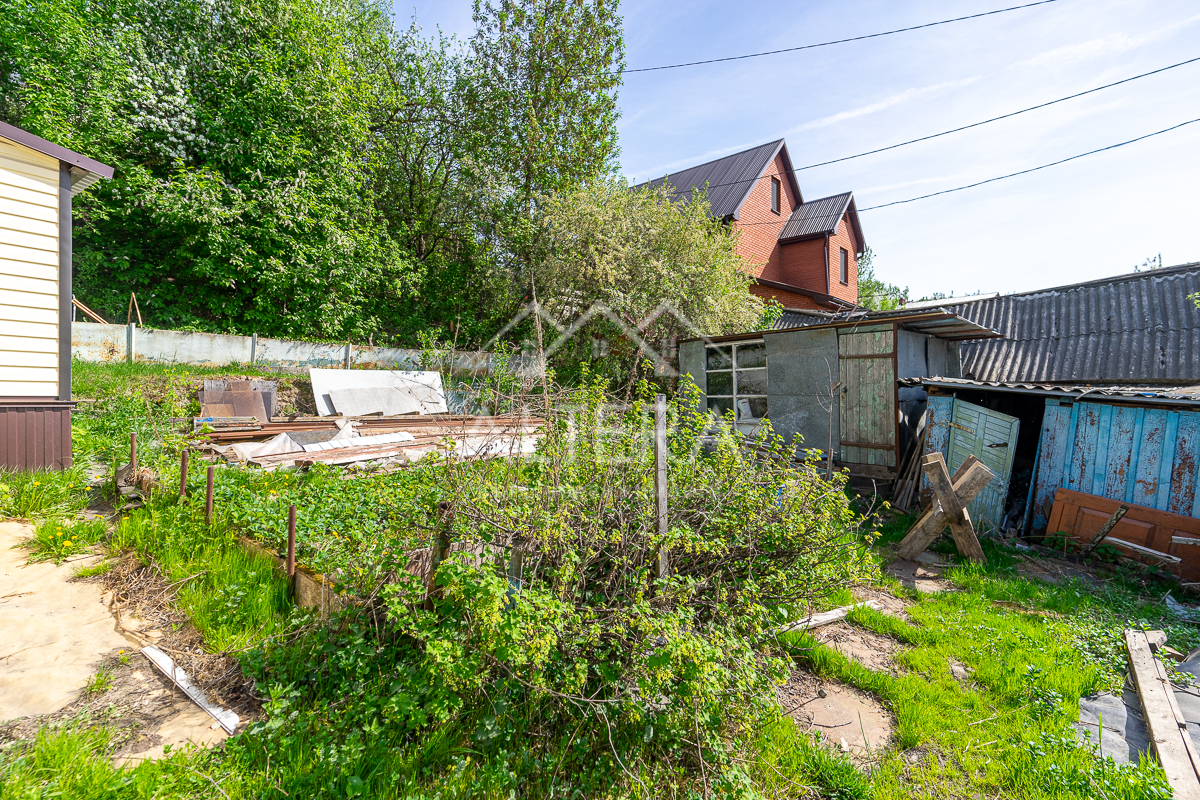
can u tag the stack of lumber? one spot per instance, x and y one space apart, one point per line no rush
1164 721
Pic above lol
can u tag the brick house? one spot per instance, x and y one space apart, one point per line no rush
802 253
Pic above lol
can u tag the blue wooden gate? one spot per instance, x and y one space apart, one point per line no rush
1146 456
959 430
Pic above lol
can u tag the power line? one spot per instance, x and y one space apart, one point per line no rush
955 130
783 221
837 41
1033 169
995 119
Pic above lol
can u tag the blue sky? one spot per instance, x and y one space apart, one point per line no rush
1092 218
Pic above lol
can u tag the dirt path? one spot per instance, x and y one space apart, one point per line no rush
55 635
54 632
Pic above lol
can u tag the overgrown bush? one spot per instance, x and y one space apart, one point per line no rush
563 629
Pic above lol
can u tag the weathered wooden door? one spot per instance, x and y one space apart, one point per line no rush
867 360
992 438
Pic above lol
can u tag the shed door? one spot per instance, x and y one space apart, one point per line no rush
867 358
992 438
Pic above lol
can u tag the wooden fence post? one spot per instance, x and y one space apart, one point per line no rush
291 553
183 466
208 498
660 478
438 550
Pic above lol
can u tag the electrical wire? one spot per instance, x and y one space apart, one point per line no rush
783 221
1033 169
995 119
961 128
836 41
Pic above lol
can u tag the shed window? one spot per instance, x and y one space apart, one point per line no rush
737 380
775 195
845 266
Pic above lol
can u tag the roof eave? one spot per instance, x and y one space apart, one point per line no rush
27 139
737 211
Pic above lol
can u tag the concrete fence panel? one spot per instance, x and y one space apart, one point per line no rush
182 347
94 342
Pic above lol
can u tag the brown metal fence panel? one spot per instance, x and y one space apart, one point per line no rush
35 434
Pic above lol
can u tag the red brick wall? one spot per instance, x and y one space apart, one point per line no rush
760 227
785 298
843 238
803 264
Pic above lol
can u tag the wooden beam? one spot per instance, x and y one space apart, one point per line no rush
968 481
1144 551
826 617
1167 732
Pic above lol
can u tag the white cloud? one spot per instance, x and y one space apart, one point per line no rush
1105 45
887 102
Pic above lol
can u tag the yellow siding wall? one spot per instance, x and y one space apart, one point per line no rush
28 272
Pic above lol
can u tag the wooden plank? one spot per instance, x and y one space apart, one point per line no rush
1166 735
1143 551
827 617
1100 466
1150 455
971 477
1120 452
960 520
1184 463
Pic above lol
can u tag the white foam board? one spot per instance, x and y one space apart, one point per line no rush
425 388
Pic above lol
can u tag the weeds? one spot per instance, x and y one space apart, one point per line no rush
56 540
101 682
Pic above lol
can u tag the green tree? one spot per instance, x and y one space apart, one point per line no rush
633 251
875 293
241 133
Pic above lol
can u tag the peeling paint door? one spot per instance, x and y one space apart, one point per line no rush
992 438
867 364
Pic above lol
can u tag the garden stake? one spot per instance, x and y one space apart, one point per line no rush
208 503
660 477
291 557
133 456
183 462
438 551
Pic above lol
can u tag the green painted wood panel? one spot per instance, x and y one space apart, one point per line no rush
868 397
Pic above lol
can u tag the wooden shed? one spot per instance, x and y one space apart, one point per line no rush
831 380
37 181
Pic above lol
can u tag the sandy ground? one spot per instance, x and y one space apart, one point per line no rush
848 718
56 634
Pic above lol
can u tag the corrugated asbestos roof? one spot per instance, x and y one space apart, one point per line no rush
935 322
729 179
816 217
1132 329
1180 395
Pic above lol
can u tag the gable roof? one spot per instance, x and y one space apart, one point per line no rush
84 171
821 218
1138 328
729 179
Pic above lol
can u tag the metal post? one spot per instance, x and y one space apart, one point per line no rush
439 549
208 498
660 477
183 465
133 456
291 554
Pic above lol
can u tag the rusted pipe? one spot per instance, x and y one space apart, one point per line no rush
291 554
208 498
133 456
183 466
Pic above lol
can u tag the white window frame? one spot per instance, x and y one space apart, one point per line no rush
734 369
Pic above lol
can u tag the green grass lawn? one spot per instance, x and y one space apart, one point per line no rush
334 696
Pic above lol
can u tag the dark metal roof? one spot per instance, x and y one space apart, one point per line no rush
935 322
88 165
729 179
821 218
1181 395
1139 328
